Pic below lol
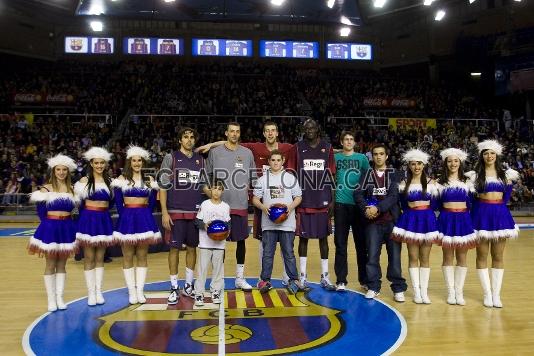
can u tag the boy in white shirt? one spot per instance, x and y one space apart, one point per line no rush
277 187
211 251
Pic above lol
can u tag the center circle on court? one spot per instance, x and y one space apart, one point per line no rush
277 322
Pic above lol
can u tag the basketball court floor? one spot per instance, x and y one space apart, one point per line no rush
312 323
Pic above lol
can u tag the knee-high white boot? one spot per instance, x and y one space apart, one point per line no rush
483 275
129 277
90 282
496 283
60 287
448 274
459 281
424 274
50 285
414 276
99 277
140 277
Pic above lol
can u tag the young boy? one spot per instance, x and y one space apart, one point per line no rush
277 186
211 251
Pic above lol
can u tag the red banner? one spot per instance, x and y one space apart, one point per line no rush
388 103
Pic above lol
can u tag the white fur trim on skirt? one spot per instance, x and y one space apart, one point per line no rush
498 234
95 241
149 237
410 237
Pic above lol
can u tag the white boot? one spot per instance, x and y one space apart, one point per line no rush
140 277
424 274
414 276
448 274
91 289
496 283
60 287
483 275
459 280
99 277
129 277
50 285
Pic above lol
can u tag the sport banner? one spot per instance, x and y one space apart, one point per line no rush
389 103
408 123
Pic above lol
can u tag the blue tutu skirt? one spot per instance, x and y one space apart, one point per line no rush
136 226
493 221
416 227
95 228
456 230
54 238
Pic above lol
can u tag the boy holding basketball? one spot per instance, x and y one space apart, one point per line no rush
277 193
211 248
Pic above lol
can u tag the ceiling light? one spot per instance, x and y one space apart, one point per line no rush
476 74
440 14
379 3
97 26
472 1
428 2
345 21
277 2
330 3
344 31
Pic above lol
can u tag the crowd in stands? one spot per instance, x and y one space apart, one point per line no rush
144 89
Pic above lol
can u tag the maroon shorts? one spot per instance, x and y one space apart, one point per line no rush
183 232
313 225
256 228
239 228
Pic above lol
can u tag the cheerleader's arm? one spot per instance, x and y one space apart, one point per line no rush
42 210
152 198
507 193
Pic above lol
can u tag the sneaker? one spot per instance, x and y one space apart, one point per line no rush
285 282
303 280
264 286
173 297
199 300
303 287
293 287
188 290
341 287
326 284
364 287
371 294
399 297
216 297
241 283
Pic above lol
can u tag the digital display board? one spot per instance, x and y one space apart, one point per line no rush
289 49
225 48
89 45
153 46
349 51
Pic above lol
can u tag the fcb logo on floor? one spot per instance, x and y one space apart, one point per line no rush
277 322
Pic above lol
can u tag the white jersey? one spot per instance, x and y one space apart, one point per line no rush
209 212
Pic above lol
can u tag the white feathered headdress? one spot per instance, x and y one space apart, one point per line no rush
62 160
462 155
490 145
415 155
97 152
137 151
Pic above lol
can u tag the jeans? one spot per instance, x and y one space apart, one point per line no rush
375 236
345 217
269 240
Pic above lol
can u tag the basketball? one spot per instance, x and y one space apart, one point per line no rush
278 213
218 230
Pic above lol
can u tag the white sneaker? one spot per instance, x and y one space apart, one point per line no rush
216 297
371 294
303 280
173 297
199 300
341 287
188 290
399 297
241 283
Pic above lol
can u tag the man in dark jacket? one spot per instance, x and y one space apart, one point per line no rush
377 196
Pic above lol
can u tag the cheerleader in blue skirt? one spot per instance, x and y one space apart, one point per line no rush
492 220
456 234
135 197
95 228
55 237
417 224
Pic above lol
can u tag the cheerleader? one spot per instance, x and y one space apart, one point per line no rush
55 237
135 198
492 220
456 234
95 228
417 224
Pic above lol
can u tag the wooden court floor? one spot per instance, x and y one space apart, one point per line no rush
436 329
